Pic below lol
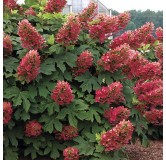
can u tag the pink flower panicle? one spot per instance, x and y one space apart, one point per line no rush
87 15
11 4
150 92
159 34
103 25
149 71
62 93
115 59
83 63
71 153
135 61
135 38
33 129
159 52
118 136
29 66
123 20
154 116
68 133
115 115
29 36
30 11
7 45
68 34
7 111
110 94
55 6
149 39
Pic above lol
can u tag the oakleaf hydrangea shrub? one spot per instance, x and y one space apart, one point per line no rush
70 91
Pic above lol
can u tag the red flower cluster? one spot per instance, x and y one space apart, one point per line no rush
87 15
62 94
33 129
123 20
11 4
7 111
115 115
135 38
29 36
115 59
154 116
110 94
135 61
84 61
55 6
103 26
118 136
159 52
71 153
150 92
29 66
30 11
68 34
159 33
68 133
151 70
149 39
7 45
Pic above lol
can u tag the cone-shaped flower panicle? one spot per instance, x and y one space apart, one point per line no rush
83 63
87 15
123 20
62 93
149 39
29 36
159 34
7 45
115 59
55 6
135 38
135 62
68 133
154 116
68 34
30 11
7 111
11 4
33 129
150 92
110 94
104 25
71 153
29 66
149 71
115 115
117 137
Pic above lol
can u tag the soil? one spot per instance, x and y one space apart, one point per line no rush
153 152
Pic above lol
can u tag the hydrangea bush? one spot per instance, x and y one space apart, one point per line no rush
70 91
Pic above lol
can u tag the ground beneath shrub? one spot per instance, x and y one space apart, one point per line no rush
153 152
137 152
